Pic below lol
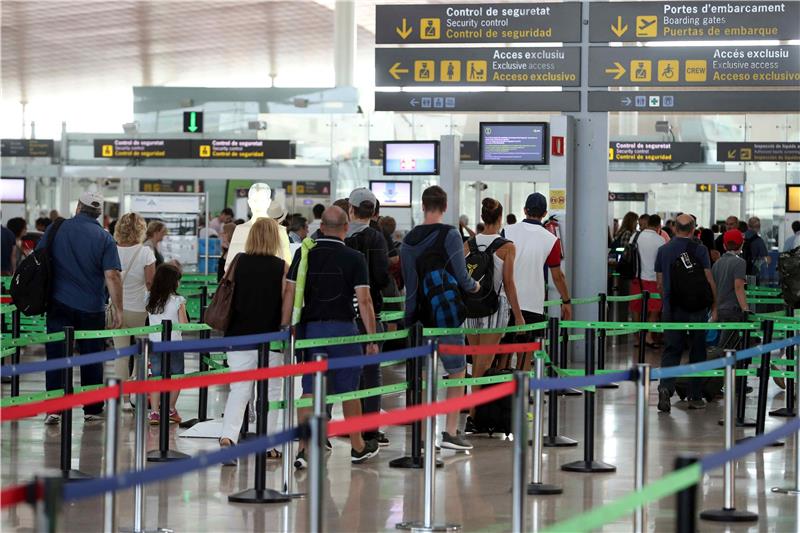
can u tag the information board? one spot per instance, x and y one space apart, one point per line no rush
694 21
169 186
450 102
721 187
478 23
193 149
308 188
699 101
26 148
513 143
242 149
728 66
499 67
627 196
655 151
758 151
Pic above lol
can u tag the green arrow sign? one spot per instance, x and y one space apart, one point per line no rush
192 121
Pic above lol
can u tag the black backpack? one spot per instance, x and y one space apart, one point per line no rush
789 273
495 416
629 265
689 288
747 255
480 266
360 242
33 281
439 301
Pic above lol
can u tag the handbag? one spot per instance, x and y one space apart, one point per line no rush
218 313
110 313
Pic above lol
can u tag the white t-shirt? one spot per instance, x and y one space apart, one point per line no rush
170 313
648 243
536 247
133 286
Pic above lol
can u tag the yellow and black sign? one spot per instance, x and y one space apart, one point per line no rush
26 148
655 152
193 149
758 152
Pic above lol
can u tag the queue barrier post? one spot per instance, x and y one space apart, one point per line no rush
768 328
202 401
67 472
553 439
317 427
16 331
588 464
288 418
793 490
602 316
788 410
519 403
640 463
47 508
260 493
643 332
163 453
729 513
536 486
110 469
741 388
686 500
563 362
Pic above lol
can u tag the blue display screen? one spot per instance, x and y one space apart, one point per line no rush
411 158
515 144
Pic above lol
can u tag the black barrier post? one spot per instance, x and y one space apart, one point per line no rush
741 387
67 471
16 330
260 494
788 409
588 464
767 328
602 316
163 453
553 439
563 362
202 402
686 500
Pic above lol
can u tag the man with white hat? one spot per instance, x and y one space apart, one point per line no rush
86 271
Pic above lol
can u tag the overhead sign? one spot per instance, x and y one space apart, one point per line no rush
699 101
501 67
758 151
169 186
655 151
470 150
689 21
243 149
729 66
627 196
192 122
193 149
478 23
26 148
143 148
721 187
308 188
449 102
702 187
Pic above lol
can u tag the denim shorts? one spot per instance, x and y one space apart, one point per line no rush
339 381
175 364
453 364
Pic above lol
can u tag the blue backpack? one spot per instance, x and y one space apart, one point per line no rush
439 302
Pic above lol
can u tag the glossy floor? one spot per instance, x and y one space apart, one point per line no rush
472 490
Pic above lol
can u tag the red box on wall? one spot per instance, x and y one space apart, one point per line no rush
557 146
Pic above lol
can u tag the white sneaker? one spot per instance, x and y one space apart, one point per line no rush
52 420
93 418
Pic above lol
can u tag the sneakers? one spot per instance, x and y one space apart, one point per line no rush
300 461
328 445
697 404
454 442
174 417
93 418
52 420
378 436
154 418
469 426
370 450
226 444
664 404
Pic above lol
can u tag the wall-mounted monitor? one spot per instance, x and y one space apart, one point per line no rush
412 158
793 198
12 190
513 143
392 193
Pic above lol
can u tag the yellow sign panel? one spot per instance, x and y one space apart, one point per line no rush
746 154
668 70
477 70
647 26
424 70
696 70
558 200
450 70
610 154
641 70
205 150
430 29
108 150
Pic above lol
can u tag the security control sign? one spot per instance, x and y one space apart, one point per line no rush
242 149
478 23
693 20
655 151
143 148
501 67
26 148
758 151
729 66
193 149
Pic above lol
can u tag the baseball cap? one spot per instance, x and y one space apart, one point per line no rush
536 201
92 199
361 195
276 211
734 236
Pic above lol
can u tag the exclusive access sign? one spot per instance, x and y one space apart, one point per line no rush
729 66
693 20
502 67
478 23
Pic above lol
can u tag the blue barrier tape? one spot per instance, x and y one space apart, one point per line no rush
718 459
581 381
94 487
676 371
242 342
66 362
364 360
765 348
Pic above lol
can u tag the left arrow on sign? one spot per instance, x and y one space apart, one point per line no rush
619 70
395 71
405 30
413 102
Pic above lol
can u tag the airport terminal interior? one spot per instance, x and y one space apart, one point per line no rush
535 266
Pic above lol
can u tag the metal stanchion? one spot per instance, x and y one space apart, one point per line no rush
202 401
163 453
563 362
741 388
110 470
640 462
794 490
16 331
686 500
288 419
763 382
788 409
728 513
316 505
67 472
536 486
553 439
429 492
260 493
47 508
519 403
602 316
588 464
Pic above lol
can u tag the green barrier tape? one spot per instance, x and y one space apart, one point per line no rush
27 340
214 364
109 333
355 339
438 332
583 301
391 316
41 396
651 326
789 327
394 300
630 298
391 363
486 380
346 396
191 327
774 301
7 308
599 516
548 303
767 291
779 362
190 277
7 352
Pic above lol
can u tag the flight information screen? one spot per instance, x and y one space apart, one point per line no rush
411 157
504 143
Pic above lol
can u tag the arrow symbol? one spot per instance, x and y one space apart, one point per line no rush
732 154
405 31
395 71
192 122
413 102
619 70
626 101
619 30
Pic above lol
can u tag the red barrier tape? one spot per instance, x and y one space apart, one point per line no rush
419 412
13 495
56 405
488 349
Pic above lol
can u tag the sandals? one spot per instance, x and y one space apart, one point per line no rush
274 454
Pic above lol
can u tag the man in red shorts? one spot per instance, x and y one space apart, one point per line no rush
649 242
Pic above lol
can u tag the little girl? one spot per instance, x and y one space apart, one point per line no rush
163 303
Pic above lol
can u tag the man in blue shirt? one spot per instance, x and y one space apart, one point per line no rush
793 241
674 341
85 262
754 249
